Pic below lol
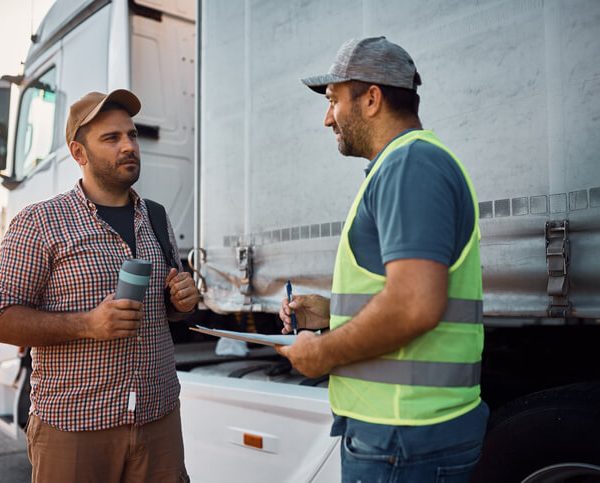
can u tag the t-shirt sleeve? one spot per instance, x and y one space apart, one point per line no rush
415 205
24 263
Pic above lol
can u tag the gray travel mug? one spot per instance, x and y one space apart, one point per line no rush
134 278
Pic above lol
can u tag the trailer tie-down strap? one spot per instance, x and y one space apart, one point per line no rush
557 259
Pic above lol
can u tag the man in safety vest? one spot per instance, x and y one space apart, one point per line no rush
404 349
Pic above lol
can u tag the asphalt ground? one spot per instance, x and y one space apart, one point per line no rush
14 464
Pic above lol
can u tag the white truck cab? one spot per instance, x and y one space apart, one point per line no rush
86 45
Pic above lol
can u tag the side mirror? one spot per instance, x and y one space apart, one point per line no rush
4 115
3 147
9 96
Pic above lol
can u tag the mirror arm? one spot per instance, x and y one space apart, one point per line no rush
13 79
9 182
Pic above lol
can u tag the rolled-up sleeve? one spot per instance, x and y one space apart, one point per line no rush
24 263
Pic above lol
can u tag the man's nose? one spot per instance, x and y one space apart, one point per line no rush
329 121
128 144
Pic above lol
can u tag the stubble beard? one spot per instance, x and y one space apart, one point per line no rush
107 175
355 135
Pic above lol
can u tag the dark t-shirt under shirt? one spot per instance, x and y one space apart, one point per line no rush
121 219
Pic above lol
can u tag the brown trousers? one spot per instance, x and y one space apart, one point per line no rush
125 454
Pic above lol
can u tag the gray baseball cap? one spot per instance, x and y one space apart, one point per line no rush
375 60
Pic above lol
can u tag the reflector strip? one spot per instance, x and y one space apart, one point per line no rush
458 310
413 373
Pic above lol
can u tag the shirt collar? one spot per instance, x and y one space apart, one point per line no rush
374 160
80 194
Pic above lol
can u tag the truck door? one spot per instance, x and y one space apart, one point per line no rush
162 76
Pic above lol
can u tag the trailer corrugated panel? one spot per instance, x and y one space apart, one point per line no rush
512 87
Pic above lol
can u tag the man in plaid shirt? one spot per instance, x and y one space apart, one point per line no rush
104 391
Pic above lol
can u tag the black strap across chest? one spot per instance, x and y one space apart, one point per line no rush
158 220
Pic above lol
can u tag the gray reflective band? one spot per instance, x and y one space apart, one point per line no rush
348 304
413 373
458 310
464 311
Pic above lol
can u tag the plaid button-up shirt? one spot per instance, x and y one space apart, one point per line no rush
59 256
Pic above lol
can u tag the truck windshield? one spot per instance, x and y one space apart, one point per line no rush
35 130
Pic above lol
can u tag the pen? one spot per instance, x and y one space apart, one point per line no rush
288 288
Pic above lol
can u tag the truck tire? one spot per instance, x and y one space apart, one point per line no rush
548 436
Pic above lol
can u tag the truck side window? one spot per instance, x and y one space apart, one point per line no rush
35 129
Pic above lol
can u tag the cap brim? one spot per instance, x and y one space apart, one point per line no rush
319 83
123 97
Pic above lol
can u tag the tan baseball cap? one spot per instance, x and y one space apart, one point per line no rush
88 107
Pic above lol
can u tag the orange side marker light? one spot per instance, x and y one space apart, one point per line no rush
253 440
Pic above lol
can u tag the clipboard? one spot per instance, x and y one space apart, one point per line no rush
270 340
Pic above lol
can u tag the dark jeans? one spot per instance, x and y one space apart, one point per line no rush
445 452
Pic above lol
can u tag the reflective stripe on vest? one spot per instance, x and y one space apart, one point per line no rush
458 310
413 373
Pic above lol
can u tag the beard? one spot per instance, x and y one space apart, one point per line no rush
354 134
110 176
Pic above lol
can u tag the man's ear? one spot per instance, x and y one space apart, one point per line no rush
78 152
373 101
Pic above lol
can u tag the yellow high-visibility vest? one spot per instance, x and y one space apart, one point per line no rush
434 378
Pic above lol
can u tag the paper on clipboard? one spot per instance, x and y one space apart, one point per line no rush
271 340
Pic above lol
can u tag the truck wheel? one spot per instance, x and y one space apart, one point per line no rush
549 436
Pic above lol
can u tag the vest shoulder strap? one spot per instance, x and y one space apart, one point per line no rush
158 221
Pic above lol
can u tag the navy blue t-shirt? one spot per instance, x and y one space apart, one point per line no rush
417 205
